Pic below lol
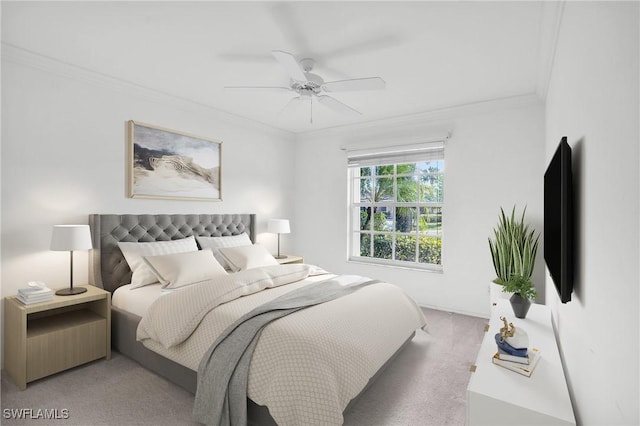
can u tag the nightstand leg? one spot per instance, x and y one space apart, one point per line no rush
15 343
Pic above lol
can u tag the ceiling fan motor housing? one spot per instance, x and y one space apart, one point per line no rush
313 84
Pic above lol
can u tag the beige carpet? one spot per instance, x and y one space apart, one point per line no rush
425 385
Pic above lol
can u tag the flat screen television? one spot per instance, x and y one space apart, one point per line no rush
559 221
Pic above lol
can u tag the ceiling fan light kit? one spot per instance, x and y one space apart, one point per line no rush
308 85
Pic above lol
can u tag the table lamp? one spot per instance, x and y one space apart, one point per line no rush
70 238
279 226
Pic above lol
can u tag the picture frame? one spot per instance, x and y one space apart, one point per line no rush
171 165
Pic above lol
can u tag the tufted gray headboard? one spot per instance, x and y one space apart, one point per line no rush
108 267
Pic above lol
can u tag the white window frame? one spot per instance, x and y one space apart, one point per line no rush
393 155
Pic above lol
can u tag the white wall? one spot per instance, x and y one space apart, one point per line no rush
494 158
64 157
593 100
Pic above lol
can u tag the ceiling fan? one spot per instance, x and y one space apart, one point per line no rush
308 86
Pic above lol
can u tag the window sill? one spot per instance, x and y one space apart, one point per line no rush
391 264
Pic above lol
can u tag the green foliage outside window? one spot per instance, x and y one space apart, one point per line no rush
382 246
406 248
429 248
393 211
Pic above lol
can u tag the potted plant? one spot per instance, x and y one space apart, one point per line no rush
513 250
523 294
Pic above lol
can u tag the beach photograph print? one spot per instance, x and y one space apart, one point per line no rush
171 165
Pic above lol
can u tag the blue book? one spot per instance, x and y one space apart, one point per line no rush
508 348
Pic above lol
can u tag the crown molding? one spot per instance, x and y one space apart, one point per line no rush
434 121
24 57
551 18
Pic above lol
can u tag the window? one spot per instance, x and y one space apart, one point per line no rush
396 206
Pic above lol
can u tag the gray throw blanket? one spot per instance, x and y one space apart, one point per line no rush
223 373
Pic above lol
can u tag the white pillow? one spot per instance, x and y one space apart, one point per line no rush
134 252
247 257
216 243
182 269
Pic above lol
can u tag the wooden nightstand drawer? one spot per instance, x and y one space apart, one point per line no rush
63 341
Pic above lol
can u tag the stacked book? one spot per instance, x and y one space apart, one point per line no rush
34 294
522 360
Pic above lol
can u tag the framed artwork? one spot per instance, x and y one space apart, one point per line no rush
172 165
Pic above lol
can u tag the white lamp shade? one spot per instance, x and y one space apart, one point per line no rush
278 226
71 237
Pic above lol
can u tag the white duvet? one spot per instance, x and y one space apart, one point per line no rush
306 366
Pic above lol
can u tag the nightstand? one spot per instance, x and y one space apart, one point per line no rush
48 337
290 259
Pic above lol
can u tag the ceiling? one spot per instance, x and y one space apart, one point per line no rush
432 55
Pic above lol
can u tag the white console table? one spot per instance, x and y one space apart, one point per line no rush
497 396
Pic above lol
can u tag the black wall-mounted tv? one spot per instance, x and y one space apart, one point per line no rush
559 220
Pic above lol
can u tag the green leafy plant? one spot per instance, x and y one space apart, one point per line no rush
521 285
429 248
513 248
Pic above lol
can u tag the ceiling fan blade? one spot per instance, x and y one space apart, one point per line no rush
290 64
293 104
264 88
368 83
336 105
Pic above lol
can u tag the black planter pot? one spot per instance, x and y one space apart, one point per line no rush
520 305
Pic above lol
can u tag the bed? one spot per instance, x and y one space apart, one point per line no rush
111 271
